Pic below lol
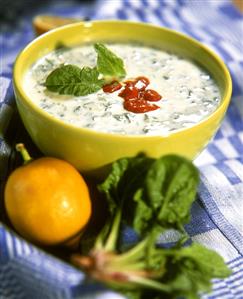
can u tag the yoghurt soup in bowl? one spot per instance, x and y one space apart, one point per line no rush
187 90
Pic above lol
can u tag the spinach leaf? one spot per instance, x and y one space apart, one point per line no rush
190 269
126 177
171 186
110 187
153 192
165 198
202 258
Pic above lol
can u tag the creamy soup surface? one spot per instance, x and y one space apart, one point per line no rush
189 94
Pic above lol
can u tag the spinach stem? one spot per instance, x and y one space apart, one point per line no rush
135 252
99 243
153 284
110 244
127 267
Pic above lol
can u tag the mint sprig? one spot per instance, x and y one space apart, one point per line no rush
72 80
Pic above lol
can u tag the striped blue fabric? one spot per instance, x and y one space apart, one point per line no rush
28 272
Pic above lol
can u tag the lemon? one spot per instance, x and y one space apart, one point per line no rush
44 23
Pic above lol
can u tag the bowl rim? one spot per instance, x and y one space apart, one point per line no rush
27 100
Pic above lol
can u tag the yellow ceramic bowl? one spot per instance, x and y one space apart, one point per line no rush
89 150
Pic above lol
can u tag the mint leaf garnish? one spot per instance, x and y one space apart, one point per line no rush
72 80
108 64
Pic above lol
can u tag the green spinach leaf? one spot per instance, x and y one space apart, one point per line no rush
125 179
190 269
171 186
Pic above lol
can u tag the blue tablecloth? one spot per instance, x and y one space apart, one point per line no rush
30 273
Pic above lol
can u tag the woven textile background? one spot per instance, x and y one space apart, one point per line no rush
217 216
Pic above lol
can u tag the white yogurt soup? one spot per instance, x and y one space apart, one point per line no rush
189 93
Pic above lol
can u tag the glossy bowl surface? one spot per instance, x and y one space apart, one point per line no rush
92 151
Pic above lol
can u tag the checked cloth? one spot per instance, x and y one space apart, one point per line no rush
27 272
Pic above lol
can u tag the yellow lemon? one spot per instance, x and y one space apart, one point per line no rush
43 23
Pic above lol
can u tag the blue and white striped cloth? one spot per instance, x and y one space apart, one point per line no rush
27 272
